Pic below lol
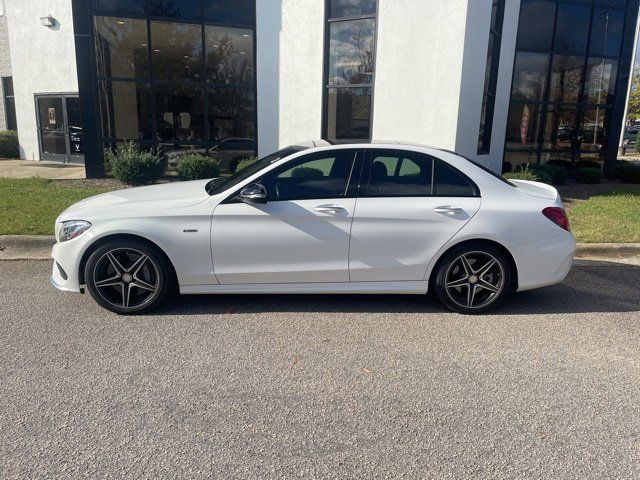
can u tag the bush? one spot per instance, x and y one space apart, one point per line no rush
628 172
244 163
529 174
566 164
558 174
194 166
130 165
588 175
588 164
9 146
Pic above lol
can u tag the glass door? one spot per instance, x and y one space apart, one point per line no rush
60 128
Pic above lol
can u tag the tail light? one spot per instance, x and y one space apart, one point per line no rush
558 216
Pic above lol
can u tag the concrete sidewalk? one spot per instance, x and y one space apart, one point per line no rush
48 170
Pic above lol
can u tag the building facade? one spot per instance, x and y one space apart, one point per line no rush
501 81
7 105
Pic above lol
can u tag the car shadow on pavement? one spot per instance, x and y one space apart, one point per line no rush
590 287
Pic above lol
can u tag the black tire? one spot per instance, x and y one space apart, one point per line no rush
466 287
119 284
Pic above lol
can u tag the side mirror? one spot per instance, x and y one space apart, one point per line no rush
254 193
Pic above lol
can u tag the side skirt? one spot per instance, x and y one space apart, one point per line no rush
413 287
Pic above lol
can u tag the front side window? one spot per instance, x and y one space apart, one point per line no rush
319 175
400 174
350 66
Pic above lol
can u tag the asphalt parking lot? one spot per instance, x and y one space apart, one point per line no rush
322 386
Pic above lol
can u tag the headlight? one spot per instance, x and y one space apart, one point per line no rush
72 229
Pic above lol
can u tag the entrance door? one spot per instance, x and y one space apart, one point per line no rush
60 128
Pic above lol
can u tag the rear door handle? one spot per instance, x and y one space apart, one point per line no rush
448 210
330 209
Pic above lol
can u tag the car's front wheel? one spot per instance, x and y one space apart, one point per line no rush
128 276
473 278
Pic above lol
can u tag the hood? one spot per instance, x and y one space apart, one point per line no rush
536 189
136 200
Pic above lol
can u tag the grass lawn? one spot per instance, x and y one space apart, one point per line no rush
612 217
30 206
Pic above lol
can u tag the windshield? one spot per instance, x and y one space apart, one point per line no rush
219 185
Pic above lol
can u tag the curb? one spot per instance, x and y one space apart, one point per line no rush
38 247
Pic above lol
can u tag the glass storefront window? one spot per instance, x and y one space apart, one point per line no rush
176 51
125 109
530 76
351 52
349 113
560 127
606 34
231 113
120 7
237 12
179 113
512 160
523 126
229 55
187 9
566 78
600 86
121 47
351 8
572 29
535 29
594 128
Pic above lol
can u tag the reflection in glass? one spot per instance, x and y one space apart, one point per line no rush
121 47
566 76
523 126
606 32
229 55
351 52
600 87
572 29
176 51
239 12
51 115
231 113
529 76
175 8
351 8
560 127
594 128
513 160
535 29
179 113
349 113
125 109
120 7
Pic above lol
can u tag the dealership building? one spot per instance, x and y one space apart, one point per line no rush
500 81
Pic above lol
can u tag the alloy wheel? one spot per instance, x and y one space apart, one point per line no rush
126 278
474 280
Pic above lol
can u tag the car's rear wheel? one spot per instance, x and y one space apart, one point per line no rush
128 276
473 278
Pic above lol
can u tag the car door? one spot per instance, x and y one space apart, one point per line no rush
301 235
411 205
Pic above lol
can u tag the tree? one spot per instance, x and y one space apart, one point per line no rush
634 100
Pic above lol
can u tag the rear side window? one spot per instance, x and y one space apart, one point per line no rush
399 174
449 182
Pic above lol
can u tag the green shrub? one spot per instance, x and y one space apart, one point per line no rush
588 164
558 174
529 174
307 172
588 175
194 166
244 163
628 172
130 165
9 146
566 164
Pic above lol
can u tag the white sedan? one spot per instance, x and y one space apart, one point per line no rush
363 218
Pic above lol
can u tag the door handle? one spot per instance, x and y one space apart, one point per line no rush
448 210
330 209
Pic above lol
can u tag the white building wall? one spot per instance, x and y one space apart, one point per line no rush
290 53
419 59
42 60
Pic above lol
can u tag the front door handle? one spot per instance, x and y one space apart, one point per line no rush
448 210
330 209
